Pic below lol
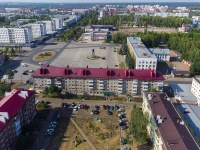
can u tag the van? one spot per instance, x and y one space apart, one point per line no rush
24 65
30 71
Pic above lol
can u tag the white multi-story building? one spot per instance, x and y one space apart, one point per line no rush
97 80
104 28
95 36
196 88
71 20
58 22
50 26
16 35
161 54
144 59
38 29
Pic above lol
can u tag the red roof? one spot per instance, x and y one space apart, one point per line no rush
13 103
174 135
67 72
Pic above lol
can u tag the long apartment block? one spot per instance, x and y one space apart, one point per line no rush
17 109
16 35
97 80
166 128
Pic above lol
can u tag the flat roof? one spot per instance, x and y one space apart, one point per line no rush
159 51
175 135
139 48
184 92
192 114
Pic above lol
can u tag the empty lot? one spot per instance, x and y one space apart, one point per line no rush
75 55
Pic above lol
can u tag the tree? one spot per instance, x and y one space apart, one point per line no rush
195 68
138 124
12 51
153 90
10 73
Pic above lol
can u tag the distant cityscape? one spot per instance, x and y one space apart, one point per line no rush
99 76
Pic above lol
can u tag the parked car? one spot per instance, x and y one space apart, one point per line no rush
123 119
103 58
37 102
47 102
124 127
122 116
52 126
108 107
111 107
116 107
86 107
104 106
50 130
73 104
122 123
75 108
102 47
120 109
48 133
82 106
109 112
40 63
15 71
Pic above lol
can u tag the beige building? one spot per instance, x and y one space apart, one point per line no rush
97 80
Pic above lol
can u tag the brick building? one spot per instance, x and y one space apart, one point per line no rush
17 109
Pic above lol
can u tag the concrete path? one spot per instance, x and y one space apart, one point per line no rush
83 134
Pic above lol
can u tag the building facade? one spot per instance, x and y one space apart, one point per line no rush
195 89
95 36
50 26
166 128
58 22
161 54
144 59
16 35
104 28
97 80
17 109
38 29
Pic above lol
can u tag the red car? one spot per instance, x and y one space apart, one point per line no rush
82 106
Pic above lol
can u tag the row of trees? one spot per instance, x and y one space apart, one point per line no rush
4 21
137 126
77 31
159 21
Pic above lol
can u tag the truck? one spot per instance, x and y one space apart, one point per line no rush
24 65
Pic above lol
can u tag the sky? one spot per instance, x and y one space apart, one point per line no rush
97 1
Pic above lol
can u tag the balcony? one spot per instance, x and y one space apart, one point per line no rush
135 82
145 83
120 88
90 84
91 87
101 82
120 81
134 91
135 86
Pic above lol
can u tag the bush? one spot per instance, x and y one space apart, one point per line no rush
42 105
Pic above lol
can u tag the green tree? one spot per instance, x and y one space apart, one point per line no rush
10 73
153 90
138 124
195 68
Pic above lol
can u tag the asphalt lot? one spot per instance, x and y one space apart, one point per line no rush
75 55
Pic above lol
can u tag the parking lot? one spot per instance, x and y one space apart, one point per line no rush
75 55
95 126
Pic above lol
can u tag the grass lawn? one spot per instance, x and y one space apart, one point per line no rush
93 58
44 55
15 85
121 65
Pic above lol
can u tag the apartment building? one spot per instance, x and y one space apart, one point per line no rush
166 128
105 28
50 26
95 35
71 20
195 88
38 29
97 80
144 59
17 109
161 54
16 35
58 22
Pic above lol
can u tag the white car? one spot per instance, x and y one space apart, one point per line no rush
120 109
50 130
40 63
75 108
37 102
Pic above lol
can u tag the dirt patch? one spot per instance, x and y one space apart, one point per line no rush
44 55
129 30
64 136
